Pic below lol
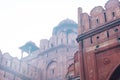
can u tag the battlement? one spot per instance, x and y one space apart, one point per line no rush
102 25
98 16
11 68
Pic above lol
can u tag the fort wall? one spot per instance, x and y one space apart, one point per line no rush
11 68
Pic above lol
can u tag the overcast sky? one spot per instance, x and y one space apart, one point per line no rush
32 20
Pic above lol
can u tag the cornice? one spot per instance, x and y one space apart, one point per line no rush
98 30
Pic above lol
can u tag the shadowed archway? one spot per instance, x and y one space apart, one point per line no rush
116 74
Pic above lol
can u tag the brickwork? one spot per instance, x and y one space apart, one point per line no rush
99 41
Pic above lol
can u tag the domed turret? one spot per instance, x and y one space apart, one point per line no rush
67 21
66 26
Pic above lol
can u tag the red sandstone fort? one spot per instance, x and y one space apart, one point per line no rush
89 50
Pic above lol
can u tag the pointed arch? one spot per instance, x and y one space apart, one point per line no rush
51 70
114 71
50 64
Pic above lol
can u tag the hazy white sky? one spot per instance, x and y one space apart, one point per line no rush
32 20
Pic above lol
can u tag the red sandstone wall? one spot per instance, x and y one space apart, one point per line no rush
98 16
107 61
99 53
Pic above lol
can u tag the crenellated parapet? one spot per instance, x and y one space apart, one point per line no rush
11 68
101 25
98 16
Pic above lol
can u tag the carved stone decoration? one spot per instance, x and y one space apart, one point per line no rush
106 61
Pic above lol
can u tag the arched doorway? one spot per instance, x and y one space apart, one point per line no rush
116 74
51 70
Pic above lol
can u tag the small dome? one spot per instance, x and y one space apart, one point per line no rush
64 26
67 21
29 47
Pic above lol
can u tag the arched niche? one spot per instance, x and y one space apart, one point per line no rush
51 70
115 73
